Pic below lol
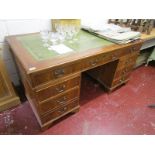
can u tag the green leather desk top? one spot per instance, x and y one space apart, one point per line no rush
84 41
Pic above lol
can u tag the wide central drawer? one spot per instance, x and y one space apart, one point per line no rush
124 70
104 58
59 100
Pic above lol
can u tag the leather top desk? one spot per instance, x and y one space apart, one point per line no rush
52 80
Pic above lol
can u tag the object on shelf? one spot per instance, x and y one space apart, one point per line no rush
141 25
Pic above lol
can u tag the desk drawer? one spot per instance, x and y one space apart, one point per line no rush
128 60
131 49
120 80
100 59
60 112
56 89
59 100
123 71
54 73
135 48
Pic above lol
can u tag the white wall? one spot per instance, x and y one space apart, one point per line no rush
12 27
21 26
98 21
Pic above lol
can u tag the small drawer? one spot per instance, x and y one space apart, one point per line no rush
60 112
131 60
128 65
107 57
125 52
131 49
122 72
100 59
135 48
46 76
92 62
59 88
128 60
59 100
115 55
132 56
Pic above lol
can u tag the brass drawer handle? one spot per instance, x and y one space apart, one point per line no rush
61 88
62 110
94 62
129 61
133 49
121 81
62 100
114 56
125 71
105 56
59 72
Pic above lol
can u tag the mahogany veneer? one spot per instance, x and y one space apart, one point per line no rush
53 86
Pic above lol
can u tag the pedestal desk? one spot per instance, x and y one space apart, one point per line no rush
52 80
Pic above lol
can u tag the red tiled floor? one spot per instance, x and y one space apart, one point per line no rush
124 111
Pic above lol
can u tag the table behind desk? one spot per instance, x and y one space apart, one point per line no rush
146 49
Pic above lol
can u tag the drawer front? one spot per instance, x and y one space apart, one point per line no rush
59 88
135 48
54 73
124 71
127 60
92 62
120 80
60 112
59 101
131 49
100 59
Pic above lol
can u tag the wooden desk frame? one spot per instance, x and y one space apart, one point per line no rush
53 86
